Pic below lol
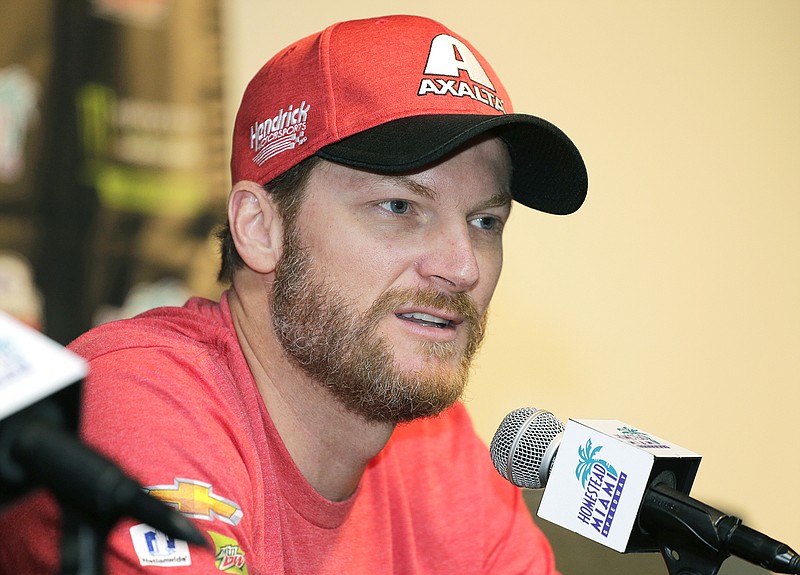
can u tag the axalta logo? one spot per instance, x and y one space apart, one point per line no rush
284 131
602 489
448 57
197 499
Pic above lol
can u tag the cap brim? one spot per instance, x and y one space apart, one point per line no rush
548 172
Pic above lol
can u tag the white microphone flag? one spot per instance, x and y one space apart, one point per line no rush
32 366
599 477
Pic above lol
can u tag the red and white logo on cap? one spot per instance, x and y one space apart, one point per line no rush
284 131
449 56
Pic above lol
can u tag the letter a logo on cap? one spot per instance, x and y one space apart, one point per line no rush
448 55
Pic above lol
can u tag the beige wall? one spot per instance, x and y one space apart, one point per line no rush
670 301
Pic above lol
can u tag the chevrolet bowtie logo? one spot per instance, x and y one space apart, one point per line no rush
195 499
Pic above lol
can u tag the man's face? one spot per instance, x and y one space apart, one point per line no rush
383 286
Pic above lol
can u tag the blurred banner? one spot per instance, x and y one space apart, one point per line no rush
112 152
26 50
150 117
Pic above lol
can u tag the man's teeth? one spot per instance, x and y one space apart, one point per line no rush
425 319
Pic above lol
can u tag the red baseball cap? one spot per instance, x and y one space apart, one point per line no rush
393 95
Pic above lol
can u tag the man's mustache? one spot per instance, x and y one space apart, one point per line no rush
461 305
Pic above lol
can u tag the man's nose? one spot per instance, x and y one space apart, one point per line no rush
448 259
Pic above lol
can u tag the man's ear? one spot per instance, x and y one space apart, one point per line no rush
256 226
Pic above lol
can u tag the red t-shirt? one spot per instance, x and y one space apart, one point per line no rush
172 400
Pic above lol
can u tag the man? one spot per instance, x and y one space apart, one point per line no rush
309 422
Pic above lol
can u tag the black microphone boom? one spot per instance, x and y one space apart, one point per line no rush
692 536
40 396
678 521
39 448
84 480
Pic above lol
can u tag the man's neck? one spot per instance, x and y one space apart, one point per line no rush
329 444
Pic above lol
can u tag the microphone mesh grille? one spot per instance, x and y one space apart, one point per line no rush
520 443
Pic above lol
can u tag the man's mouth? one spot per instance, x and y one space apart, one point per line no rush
426 319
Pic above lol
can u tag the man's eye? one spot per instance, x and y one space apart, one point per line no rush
396 206
487 223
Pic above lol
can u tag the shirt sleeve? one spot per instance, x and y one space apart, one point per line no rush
159 414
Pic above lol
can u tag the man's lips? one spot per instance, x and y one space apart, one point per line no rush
437 319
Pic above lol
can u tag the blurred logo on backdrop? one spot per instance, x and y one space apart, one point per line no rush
19 94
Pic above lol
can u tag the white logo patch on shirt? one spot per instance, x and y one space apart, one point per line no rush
156 549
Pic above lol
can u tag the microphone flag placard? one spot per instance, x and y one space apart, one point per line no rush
32 366
599 477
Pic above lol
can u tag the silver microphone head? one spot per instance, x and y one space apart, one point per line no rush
523 448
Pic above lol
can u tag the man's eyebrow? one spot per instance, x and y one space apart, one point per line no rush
499 200
413 186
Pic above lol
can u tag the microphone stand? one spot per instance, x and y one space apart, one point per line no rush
695 539
82 544
35 445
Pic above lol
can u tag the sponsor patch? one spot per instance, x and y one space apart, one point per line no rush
229 556
197 499
155 549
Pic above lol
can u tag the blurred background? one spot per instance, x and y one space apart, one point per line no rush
669 301
112 157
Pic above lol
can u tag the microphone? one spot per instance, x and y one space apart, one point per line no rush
626 490
524 446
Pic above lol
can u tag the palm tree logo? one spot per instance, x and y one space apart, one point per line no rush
631 431
588 459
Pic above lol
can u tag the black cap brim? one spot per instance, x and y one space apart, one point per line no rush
548 171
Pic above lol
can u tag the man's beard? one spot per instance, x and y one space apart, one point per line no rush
322 333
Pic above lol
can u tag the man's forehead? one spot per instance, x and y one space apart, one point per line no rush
490 154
